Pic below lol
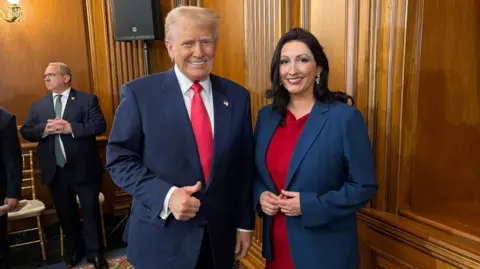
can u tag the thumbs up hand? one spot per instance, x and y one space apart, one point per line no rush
182 205
193 189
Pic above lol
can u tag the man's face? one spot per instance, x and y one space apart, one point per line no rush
192 48
54 80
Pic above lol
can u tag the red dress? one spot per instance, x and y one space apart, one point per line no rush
278 158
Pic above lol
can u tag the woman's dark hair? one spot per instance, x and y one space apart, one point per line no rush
280 95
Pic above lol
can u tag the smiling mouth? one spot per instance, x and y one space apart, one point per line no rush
294 80
197 63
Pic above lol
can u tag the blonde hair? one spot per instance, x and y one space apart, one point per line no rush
202 16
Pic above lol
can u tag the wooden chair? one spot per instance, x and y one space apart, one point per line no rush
29 208
101 199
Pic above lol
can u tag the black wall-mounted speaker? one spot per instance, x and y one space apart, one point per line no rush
137 20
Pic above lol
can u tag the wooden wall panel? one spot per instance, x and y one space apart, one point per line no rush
388 241
45 33
327 23
446 160
230 59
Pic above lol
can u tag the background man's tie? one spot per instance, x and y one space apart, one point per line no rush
202 130
59 158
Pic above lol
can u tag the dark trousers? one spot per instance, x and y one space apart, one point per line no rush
205 259
3 240
64 193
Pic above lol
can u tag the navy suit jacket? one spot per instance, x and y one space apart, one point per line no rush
86 119
152 148
10 157
332 169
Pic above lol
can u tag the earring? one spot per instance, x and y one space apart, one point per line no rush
318 79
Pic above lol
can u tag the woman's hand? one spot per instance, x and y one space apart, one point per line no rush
269 203
289 203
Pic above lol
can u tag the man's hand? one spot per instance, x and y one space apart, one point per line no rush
62 126
57 126
50 128
66 127
182 205
244 241
290 203
13 204
269 203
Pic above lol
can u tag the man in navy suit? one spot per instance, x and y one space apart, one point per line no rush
10 175
65 124
182 145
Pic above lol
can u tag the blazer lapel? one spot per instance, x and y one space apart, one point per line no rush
314 125
269 126
176 104
50 110
69 106
222 114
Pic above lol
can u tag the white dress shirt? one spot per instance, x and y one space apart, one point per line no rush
64 99
207 98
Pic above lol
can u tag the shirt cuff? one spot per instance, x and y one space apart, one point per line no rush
165 211
44 135
243 230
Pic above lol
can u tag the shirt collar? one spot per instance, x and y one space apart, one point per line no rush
186 84
65 93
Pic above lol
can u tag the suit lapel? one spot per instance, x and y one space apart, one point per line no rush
222 114
173 94
314 125
269 126
50 110
69 106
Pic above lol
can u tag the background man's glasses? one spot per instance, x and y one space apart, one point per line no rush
50 75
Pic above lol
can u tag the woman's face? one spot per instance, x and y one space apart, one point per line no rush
298 68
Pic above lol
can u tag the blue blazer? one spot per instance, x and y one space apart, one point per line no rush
332 168
152 148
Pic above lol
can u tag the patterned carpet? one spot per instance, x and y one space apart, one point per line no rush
115 263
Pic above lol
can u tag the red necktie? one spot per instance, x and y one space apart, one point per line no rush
202 129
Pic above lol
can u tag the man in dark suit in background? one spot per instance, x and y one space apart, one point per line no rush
10 175
182 145
65 124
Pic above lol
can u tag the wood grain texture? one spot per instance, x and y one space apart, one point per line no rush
446 160
230 59
328 24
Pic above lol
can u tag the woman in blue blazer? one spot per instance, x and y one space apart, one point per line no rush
314 163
